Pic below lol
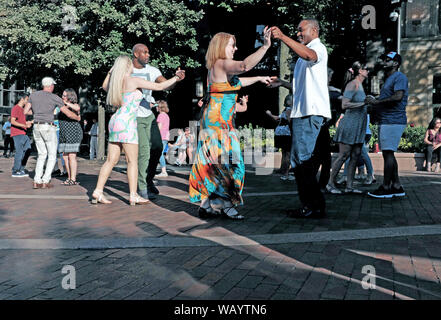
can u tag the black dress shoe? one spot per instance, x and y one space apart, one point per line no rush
204 214
307 213
153 189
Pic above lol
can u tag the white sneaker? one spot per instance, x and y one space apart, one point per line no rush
291 178
284 178
161 175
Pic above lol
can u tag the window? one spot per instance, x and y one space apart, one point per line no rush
436 97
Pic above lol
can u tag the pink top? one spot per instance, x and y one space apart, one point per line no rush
434 138
164 119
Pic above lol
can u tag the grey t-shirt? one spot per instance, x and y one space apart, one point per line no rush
43 104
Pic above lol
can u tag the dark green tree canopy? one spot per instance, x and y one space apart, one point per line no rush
79 39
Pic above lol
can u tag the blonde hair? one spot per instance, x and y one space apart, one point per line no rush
116 82
163 106
216 48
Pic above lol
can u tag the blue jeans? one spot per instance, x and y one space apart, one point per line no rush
162 159
93 147
304 136
366 159
22 149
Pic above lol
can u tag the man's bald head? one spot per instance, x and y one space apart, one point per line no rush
138 47
141 55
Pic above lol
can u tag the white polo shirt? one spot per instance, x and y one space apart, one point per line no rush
310 84
148 73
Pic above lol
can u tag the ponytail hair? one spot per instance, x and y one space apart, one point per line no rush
351 73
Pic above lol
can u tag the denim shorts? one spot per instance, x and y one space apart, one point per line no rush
389 136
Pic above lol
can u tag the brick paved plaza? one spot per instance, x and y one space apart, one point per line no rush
165 251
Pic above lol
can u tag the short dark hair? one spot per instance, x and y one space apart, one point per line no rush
313 22
22 96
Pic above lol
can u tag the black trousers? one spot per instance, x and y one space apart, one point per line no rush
430 152
8 143
155 152
322 156
308 187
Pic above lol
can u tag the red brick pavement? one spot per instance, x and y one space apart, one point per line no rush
407 267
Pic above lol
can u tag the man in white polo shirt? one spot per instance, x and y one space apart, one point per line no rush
310 108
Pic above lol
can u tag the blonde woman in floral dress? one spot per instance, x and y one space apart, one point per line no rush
123 92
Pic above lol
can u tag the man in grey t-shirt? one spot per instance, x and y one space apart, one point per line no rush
42 105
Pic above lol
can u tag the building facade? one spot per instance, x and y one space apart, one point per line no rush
421 53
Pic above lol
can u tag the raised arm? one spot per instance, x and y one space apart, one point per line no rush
27 109
233 67
138 83
300 49
179 73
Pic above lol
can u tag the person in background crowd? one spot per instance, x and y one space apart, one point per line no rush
181 145
432 139
71 136
8 142
164 126
282 137
57 172
42 105
93 132
21 140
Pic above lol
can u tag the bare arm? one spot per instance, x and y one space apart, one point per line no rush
300 49
134 83
27 109
426 138
251 80
397 96
179 73
73 106
233 67
243 105
15 123
70 114
275 118
276 82
346 102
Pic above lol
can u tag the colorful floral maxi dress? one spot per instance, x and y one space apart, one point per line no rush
123 127
219 169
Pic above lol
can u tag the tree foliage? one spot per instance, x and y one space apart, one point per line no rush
76 40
